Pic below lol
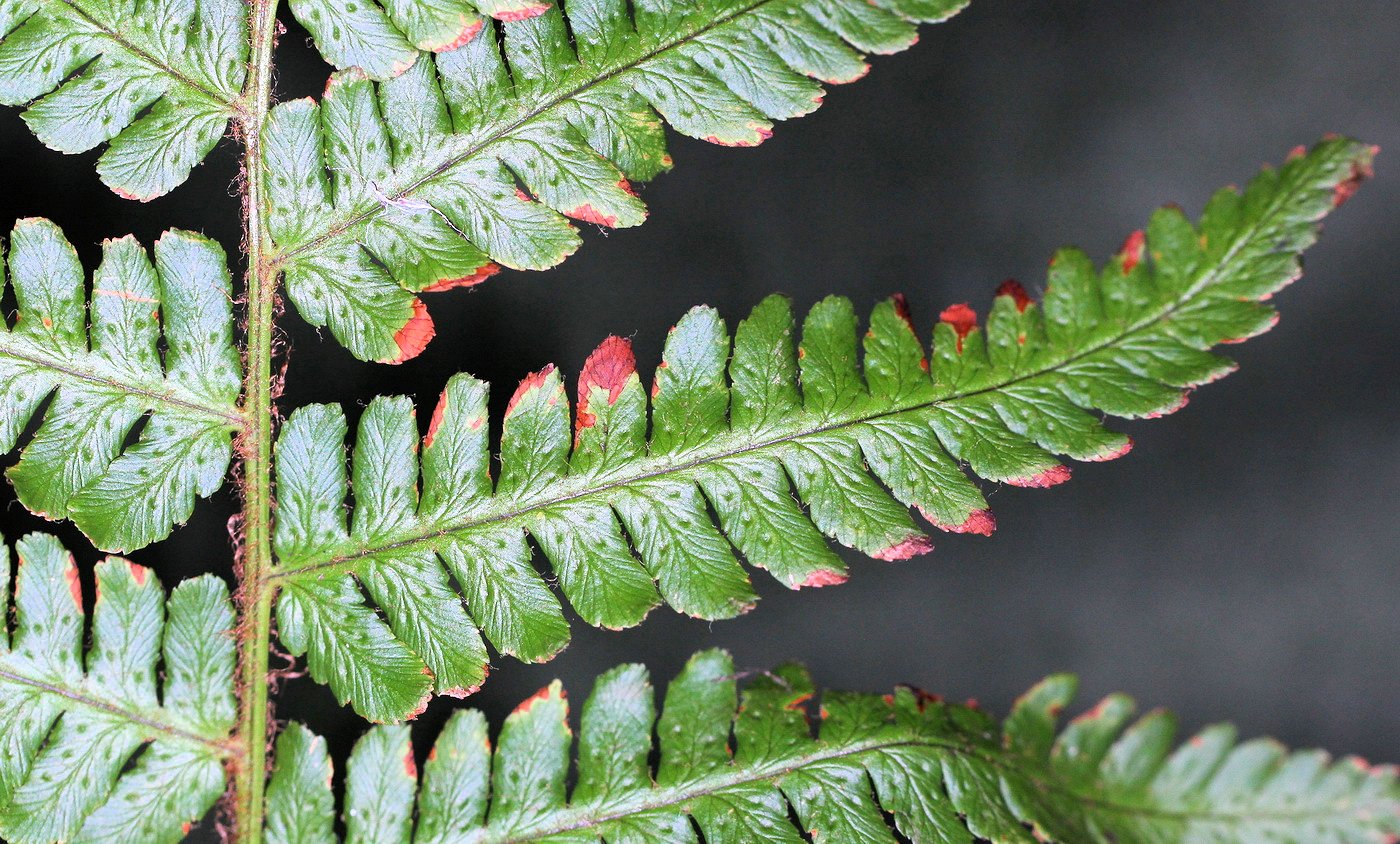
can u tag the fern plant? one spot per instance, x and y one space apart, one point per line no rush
456 138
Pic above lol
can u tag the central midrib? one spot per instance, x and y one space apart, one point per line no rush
229 417
148 57
81 699
1163 312
337 229
664 797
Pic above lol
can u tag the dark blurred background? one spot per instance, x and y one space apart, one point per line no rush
1242 563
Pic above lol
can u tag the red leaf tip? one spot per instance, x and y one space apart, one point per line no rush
822 577
608 368
981 522
962 318
903 550
529 703
530 382
1361 170
1011 287
469 31
1116 453
588 214
1133 250
1054 476
471 279
415 335
138 573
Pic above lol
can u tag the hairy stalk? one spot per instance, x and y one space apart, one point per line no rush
254 593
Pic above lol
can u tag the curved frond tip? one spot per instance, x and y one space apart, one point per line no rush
479 157
760 447
156 80
771 763
126 741
135 391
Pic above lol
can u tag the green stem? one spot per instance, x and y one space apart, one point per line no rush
255 593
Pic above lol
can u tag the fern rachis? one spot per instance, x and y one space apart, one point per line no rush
457 137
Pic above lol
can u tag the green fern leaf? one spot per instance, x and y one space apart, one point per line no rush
383 38
156 80
934 772
91 749
626 524
109 379
423 191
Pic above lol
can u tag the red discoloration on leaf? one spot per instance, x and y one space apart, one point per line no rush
1053 476
911 547
763 135
420 708
973 703
1182 402
1273 321
822 577
608 368
1011 287
135 197
138 573
75 586
472 279
1133 249
798 702
981 522
186 827
1093 714
626 187
460 692
962 318
530 382
588 214
410 766
522 195
1197 740
1361 170
529 703
436 421
415 335
526 13
1118 452
469 31
901 309
1297 152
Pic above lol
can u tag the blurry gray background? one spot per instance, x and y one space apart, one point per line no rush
1242 563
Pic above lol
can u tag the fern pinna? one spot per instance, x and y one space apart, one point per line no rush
752 430
773 764
456 138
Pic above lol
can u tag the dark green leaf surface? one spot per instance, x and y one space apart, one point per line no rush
156 80
871 766
127 742
751 433
112 370
382 191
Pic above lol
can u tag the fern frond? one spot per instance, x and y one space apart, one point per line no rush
904 762
381 192
157 80
109 378
745 433
100 748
